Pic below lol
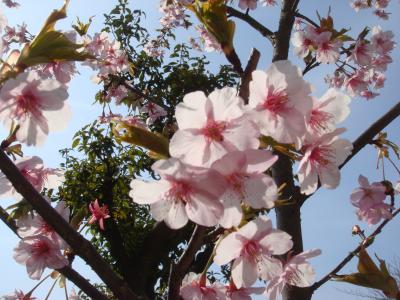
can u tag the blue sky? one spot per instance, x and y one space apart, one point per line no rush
327 217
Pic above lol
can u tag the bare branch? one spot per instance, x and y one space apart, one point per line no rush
348 258
246 78
366 138
299 15
253 23
78 244
179 270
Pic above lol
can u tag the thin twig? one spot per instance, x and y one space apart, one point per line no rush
246 78
301 16
264 31
347 259
179 269
10 222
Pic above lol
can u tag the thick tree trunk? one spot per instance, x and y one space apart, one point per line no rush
289 216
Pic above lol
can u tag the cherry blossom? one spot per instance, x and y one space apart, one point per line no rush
38 105
328 50
33 170
210 42
183 193
362 53
173 14
210 127
19 295
251 248
231 292
74 296
331 109
197 287
322 156
38 253
268 2
154 112
61 71
281 102
99 213
248 4
369 200
247 183
32 225
297 271
304 41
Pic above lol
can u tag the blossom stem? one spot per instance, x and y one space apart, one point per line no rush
51 290
37 285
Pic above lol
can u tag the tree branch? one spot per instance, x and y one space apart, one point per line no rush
179 270
247 75
365 138
5 217
264 31
78 244
348 258
299 15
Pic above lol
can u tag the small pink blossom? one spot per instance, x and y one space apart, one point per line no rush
322 157
209 41
251 248
297 271
33 170
210 127
231 292
280 102
99 213
382 41
362 53
19 295
247 183
154 112
183 193
248 4
61 71
369 200
197 287
328 49
38 105
38 253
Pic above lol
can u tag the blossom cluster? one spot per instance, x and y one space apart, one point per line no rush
378 5
252 4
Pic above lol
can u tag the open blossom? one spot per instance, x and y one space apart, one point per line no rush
328 49
382 41
297 271
251 248
38 105
62 71
154 112
99 213
32 225
304 41
362 53
173 14
210 127
197 287
38 253
246 183
33 170
183 193
331 109
248 4
322 157
281 102
369 200
231 292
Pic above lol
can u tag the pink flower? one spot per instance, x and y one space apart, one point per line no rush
304 41
369 200
247 183
362 53
356 83
268 2
33 170
99 213
331 109
196 287
19 295
33 225
322 156
210 42
296 272
38 253
328 50
382 41
154 112
210 127
183 193
281 102
231 292
248 4
62 71
38 106
251 248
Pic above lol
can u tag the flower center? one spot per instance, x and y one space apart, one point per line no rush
251 249
28 103
40 248
276 101
213 131
322 156
34 177
319 120
180 191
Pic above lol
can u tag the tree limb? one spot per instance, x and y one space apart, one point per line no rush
299 15
264 31
247 75
179 270
78 244
353 253
365 138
